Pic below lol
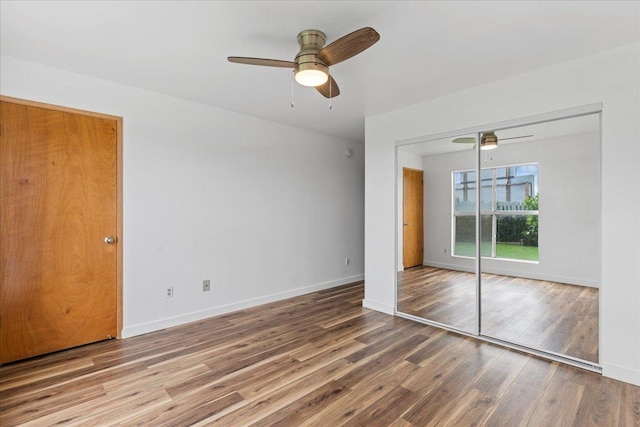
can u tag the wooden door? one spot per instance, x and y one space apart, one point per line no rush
412 229
58 194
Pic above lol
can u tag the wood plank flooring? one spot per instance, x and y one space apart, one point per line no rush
545 315
316 360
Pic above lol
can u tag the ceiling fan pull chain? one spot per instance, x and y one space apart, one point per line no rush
330 99
293 74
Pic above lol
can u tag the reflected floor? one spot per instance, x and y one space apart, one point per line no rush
546 315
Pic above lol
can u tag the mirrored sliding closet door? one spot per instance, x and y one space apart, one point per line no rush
440 284
541 237
531 193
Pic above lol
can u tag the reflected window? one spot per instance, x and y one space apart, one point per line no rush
509 207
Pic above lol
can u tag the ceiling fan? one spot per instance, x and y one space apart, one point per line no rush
311 64
488 140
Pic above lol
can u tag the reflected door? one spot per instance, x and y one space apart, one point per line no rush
412 213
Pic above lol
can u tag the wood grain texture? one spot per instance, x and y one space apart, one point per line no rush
545 315
59 200
277 365
413 221
348 46
261 61
330 89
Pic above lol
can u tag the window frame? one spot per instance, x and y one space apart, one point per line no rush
494 212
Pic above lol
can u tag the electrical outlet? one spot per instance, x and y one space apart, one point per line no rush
347 261
169 293
206 285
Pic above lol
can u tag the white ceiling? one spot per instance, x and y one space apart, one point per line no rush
427 49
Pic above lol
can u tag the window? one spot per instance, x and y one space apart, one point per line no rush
509 212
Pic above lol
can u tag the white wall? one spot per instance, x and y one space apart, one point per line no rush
263 210
411 161
610 77
569 212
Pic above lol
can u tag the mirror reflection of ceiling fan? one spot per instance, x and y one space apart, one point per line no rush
488 140
311 64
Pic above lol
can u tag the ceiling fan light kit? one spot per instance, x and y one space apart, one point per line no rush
309 70
311 75
488 141
311 64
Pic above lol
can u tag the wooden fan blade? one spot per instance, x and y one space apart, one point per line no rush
330 89
261 61
348 46
515 137
464 140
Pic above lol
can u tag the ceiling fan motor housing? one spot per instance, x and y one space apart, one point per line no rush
310 41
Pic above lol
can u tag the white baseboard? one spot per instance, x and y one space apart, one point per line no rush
446 266
377 306
619 373
516 273
168 322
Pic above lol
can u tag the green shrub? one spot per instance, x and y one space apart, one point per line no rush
530 234
510 228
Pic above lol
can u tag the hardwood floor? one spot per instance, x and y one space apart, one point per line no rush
315 360
550 316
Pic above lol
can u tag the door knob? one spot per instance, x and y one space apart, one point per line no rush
109 240
406 223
